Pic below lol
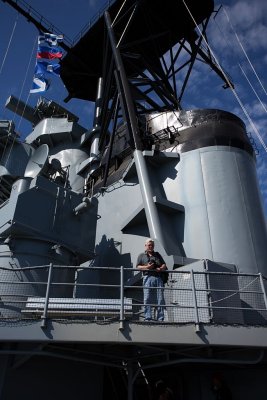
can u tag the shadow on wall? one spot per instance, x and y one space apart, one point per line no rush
108 255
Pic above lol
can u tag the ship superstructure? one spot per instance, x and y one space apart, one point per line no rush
77 206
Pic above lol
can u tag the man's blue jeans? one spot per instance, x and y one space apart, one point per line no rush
153 294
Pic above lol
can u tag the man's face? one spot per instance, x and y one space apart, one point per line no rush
149 246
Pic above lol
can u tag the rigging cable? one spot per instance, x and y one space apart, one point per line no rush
23 84
244 51
118 13
250 84
7 50
24 81
125 29
228 82
1 69
240 66
9 43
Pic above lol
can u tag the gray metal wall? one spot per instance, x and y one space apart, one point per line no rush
223 216
224 219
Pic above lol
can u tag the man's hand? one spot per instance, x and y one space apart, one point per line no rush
151 265
163 267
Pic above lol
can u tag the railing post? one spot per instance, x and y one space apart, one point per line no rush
122 298
263 290
195 301
49 279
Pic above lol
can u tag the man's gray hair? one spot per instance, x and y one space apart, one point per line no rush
149 241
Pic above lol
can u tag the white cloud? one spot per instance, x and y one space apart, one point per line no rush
246 13
248 19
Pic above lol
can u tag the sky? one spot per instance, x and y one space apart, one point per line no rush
237 38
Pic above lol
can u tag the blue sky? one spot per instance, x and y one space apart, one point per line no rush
237 38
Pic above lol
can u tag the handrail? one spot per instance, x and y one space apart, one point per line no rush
49 280
188 297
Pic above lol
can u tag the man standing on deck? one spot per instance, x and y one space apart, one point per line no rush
152 264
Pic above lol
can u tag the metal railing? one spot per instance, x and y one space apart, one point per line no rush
117 294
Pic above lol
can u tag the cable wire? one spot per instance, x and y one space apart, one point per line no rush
250 84
24 81
15 136
228 82
244 51
9 43
240 66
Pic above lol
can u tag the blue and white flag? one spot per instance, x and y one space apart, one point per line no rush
50 39
39 85
44 67
47 61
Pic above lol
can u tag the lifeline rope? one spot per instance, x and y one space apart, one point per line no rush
224 298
